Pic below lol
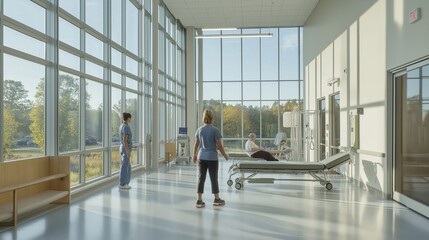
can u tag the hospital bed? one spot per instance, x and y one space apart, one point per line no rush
318 170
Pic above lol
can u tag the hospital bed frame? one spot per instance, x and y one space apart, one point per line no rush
318 170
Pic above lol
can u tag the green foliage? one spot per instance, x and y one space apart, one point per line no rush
68 112
232 121
252 117
93 165
37 116
116 160
10 124
116 119
15 99
251 120
68 115
74 178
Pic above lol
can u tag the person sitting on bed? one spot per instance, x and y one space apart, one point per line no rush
256 152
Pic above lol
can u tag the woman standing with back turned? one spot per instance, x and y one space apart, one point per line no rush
207 141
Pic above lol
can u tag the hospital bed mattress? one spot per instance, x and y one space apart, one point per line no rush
315 169
264 165
327 163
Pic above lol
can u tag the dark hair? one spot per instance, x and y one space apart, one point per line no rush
125 116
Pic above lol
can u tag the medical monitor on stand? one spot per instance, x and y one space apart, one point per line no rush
183 130
183 149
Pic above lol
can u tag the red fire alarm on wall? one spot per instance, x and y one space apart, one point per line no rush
414 15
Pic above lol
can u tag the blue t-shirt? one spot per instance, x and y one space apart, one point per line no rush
124 129
208 134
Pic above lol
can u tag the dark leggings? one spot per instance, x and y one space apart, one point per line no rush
213 167
264 155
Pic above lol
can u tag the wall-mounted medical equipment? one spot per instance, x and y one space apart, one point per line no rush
303 125
354 129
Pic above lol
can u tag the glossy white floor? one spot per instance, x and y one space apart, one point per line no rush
160 205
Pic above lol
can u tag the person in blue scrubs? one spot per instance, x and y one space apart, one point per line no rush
125 151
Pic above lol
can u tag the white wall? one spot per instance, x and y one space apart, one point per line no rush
329 20
406 42
348 38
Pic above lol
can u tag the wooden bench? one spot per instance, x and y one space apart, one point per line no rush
26 185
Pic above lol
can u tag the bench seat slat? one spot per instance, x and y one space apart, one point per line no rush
27 204
32 182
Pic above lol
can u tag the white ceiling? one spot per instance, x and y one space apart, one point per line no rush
241 13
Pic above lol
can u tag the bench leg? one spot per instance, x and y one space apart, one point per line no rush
15 207
13 222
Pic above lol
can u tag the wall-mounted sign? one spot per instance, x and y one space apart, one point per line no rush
414 15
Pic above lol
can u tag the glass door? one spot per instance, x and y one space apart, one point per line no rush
411 138
335 124
322 128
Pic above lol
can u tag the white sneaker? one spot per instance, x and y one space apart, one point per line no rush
125 187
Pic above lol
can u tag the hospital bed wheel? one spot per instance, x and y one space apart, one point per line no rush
229 182
329 186
238 186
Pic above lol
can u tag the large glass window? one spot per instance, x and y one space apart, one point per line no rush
251 82
23 108
231 59
68 114
72 7
69 60
94 69
171 82
251 56
74 170
99 76
23 43
94 46
69 33
211 68
34 15
289 52
132 27
116 120
93 114
231 90
251 119
93 165
94 14
132 66
116 21
232 120
269 55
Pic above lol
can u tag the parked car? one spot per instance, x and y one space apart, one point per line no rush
26 141
115 139
90 140
22 142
